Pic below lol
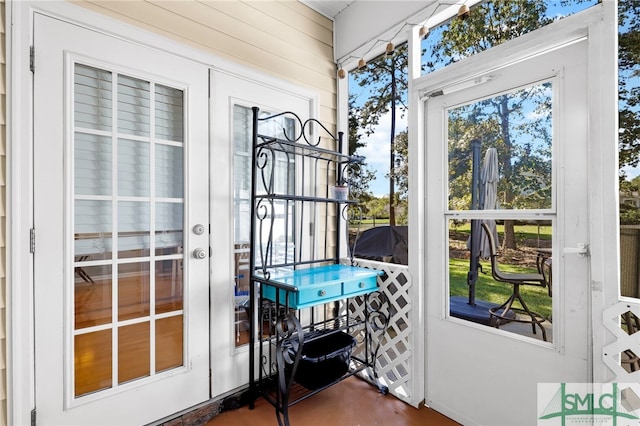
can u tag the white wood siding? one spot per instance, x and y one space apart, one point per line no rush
285 39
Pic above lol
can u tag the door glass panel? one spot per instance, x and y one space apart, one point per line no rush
133 290
518 126
133 352
93 169
130 187
169 338
168 285
169 171
134 229
92 362
93 95
92 230
92 295
133 106
283 182
500 158
133 168
479 296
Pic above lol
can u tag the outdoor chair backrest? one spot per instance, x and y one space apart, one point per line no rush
508 277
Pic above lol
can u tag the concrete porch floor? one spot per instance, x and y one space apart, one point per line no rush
352 402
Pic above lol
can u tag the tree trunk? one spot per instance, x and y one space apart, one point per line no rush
392 160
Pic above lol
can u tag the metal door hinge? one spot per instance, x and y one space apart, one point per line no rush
32 58
32 240
33 417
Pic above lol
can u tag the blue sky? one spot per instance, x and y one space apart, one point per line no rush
376 150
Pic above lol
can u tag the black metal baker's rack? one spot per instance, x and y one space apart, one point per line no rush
292 176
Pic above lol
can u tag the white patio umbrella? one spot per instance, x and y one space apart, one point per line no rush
489 196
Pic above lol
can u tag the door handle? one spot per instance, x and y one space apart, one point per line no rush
582 250
200 253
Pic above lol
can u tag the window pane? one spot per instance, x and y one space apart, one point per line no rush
133 290
516 128
477 286
92 98
133 229
169 171
133 106
169 224
133 168
92 164
169 338
92 229
490 24
283 182
169 113
92 353
92 296
169 285
133 352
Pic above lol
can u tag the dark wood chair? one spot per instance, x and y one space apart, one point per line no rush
506 312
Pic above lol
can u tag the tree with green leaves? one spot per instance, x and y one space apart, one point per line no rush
359 174
499 121
386 76
629 102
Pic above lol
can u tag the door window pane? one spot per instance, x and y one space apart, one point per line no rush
133 352
133 168
169 171
169 343
133 290
92 172
517 125
282 182
93 368
500 158
93 94
133 106
92 295
481 289
131 188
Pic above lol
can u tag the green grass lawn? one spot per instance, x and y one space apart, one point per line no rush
537 298
523 232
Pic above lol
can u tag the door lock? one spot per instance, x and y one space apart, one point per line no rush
198 229
200 253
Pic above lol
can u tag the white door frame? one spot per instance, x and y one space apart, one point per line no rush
19 170
600 24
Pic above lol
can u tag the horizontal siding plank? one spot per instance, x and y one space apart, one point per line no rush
196 35
282 16
240 32
311 14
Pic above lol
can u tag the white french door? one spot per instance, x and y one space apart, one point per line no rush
476 373
232 98
120 167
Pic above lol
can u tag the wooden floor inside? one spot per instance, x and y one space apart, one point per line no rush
352 402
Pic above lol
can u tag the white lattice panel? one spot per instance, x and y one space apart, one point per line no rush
394 362
615 355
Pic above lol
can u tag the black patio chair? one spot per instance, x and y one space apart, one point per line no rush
506 312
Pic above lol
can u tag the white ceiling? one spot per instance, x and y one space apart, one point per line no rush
329 8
